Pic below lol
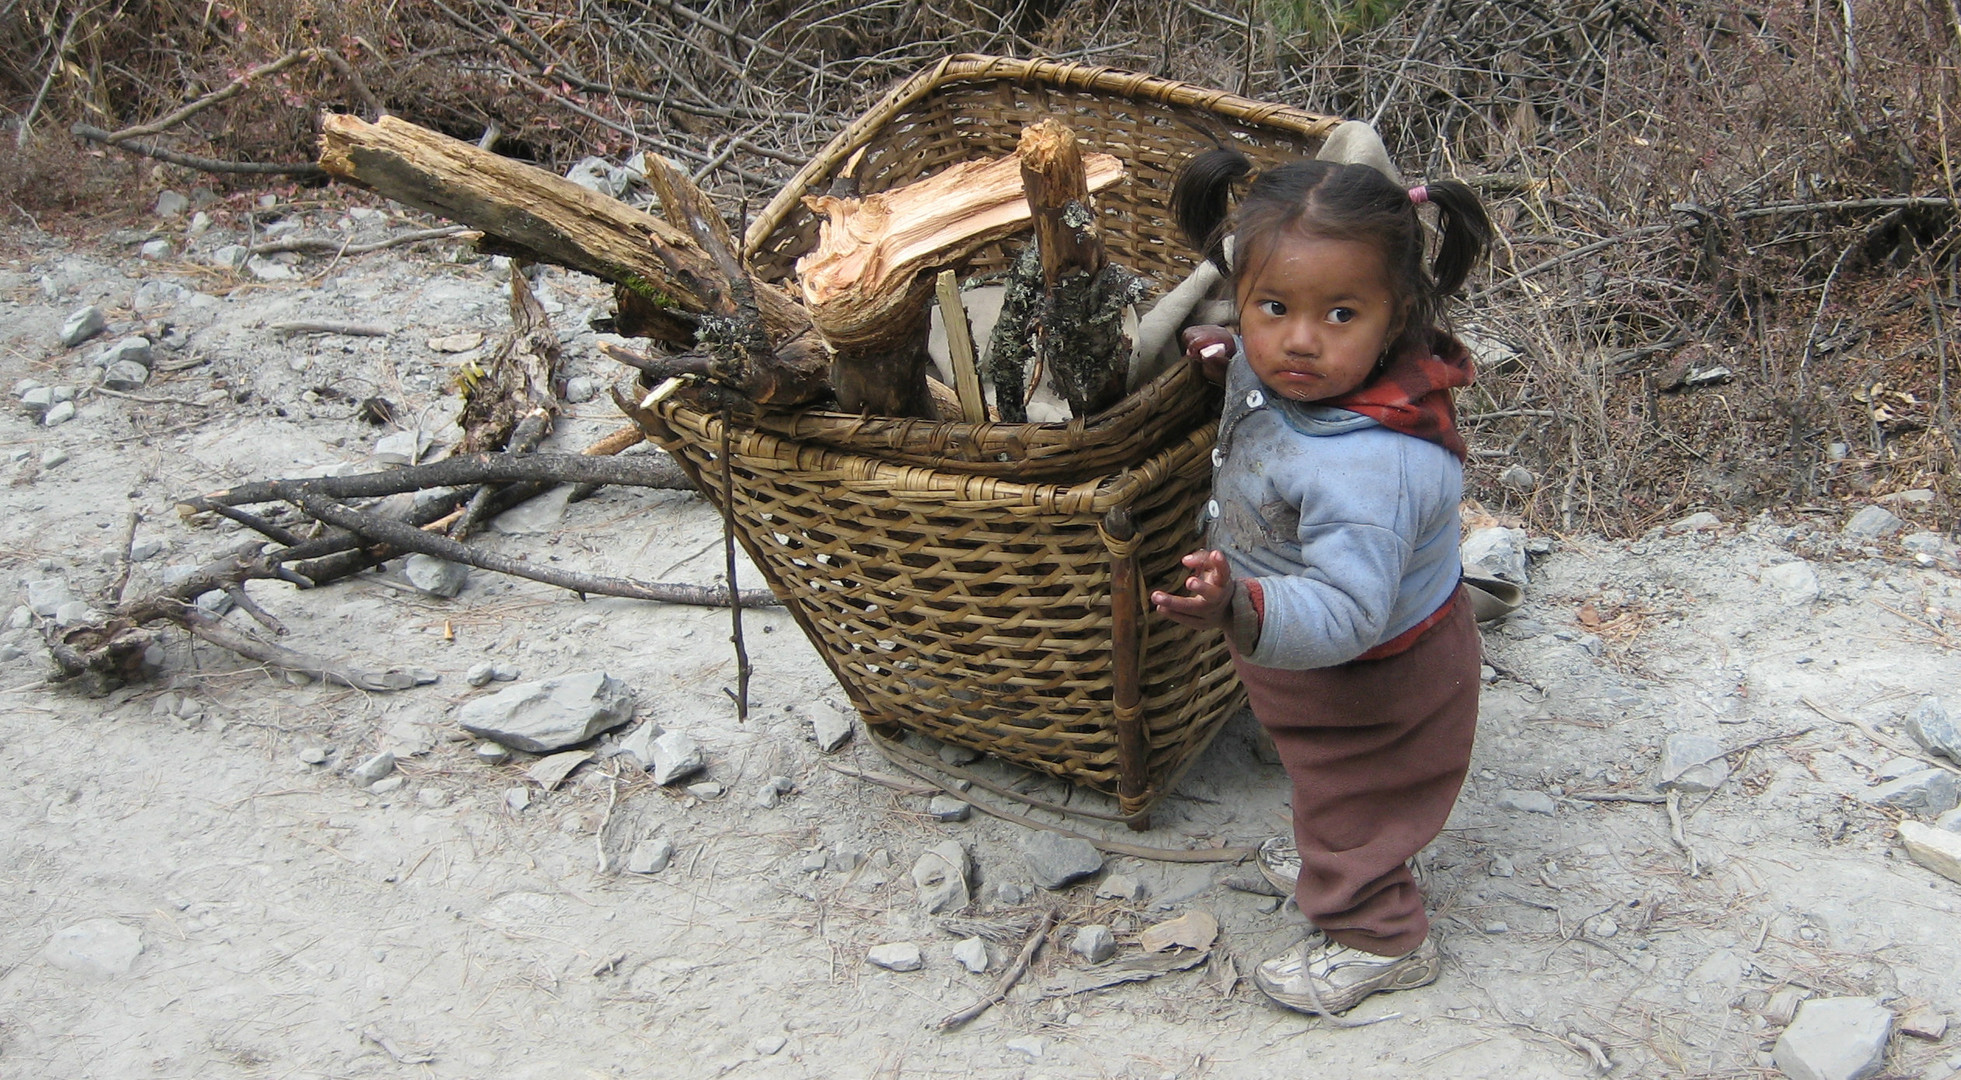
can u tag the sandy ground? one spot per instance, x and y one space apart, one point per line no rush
294 924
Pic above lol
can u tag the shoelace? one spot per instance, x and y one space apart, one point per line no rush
1313 995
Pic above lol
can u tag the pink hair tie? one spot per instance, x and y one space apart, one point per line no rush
1419 194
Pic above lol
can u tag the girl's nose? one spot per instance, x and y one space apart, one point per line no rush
1303 337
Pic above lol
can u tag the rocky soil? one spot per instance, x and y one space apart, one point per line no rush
210 874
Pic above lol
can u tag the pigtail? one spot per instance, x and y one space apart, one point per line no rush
1466 233
1201 200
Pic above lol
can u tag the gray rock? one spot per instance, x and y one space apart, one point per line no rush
10 652
770 1045
402 447
478 675
265 269
37 401
1929 793
1794 582
773 791
491 753
1027 1046
1896 768
1500 552
517 799
172 204
82 325
44 595
373 769
813 861
74 613
972 954
1835 1039
22 386
387 785
312 755
200 224
707 789
958 755
1690 764
215 602
639 743
896 956
53 457
135 350
95 949
145 550
948 808
940 875
152 296
1055 860
1700 521
21 618
1094 943
829 726
650 856
61 413
229 257
1120 887
595 174
1936 849
676 756
1872 522
580 389
503 672
1531 802
1501 867
125 375
155 250
1930 726
437 577
1723 969
550 714
1949 822
1519 478
1012 893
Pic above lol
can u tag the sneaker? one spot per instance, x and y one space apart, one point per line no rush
1280 863
1321 977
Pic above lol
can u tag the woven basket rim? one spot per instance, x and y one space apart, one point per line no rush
978 68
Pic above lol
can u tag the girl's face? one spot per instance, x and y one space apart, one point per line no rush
1316 315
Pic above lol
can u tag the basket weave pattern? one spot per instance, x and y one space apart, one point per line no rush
985 583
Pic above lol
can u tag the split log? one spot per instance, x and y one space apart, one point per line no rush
869 280
548 218
520 382
1080 336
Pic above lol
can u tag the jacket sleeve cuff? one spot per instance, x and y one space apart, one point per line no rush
1248 612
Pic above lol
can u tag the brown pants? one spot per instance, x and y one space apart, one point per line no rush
1377 751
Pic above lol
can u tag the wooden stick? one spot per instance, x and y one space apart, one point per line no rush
1008 978
960 349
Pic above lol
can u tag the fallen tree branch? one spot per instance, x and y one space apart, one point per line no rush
648 471
322 245
1008 978
304 169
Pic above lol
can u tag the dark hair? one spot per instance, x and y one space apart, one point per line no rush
1336 201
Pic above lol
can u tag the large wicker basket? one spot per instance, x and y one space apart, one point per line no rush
985 583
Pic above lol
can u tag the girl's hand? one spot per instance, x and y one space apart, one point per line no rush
1212 347
1210 586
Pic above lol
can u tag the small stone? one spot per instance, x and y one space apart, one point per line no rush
773 791
1700 521
1604 927
433 798
1930 726
145 550
387 785
1028 1046
1872 523
896 956
61 413
312 755
769 1045
135 349
10 652
676 757
95 949
1055 860
437 577
948 808
401 447
504 672
1012 893
82 325
706 790
1120 887
1835 1039
125 375
74 613
1499 552
580 389
229 257
958 755
1094 943
1924 1022
829 726
200 224
1496 926
478 675
650 856
940 876
373 769
155 250
1948 822
44 595
491 753
813 861
37 402
265 269
1531 802
1928 792
1936 849
1519 478
1783 1005
1795 582
456 343
517 799
172 204
639 744
550 714
1722 969
1691 764
972 954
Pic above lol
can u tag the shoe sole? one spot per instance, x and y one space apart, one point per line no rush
1344 1000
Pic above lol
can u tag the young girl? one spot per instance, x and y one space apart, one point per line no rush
1333 529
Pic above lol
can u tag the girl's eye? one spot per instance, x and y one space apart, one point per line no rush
1341 315
1271 308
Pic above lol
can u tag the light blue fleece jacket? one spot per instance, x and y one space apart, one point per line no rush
1350 528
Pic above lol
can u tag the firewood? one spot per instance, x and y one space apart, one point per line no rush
870 277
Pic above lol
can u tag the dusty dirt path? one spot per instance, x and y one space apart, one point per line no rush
294 924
